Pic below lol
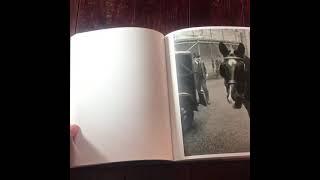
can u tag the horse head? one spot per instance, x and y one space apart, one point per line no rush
235 72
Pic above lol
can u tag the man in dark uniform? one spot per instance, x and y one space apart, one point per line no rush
201 75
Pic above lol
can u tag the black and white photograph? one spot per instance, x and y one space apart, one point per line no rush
213 73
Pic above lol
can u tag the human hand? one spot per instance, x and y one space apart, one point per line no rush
74 130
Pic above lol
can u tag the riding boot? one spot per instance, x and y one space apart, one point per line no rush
202 98
207 97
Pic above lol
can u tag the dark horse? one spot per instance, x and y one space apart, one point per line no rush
236 72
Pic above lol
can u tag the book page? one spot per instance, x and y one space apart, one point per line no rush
209 72
119 96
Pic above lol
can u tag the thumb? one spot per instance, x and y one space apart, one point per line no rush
74 130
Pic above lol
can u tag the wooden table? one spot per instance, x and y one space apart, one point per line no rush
166 170
162 15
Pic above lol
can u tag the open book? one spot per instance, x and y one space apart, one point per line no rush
137 94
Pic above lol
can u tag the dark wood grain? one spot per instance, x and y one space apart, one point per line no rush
231 169
74 4
148 14
100 14
182 170
219 13
161 15
97 173
175 15
158 172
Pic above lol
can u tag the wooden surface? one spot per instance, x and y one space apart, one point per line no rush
166 170
74 5
161 15
164 16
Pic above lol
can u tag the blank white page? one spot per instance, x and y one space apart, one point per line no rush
119 96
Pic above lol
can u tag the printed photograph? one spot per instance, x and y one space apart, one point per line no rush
213 70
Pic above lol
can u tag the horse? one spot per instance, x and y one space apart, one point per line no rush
236 73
